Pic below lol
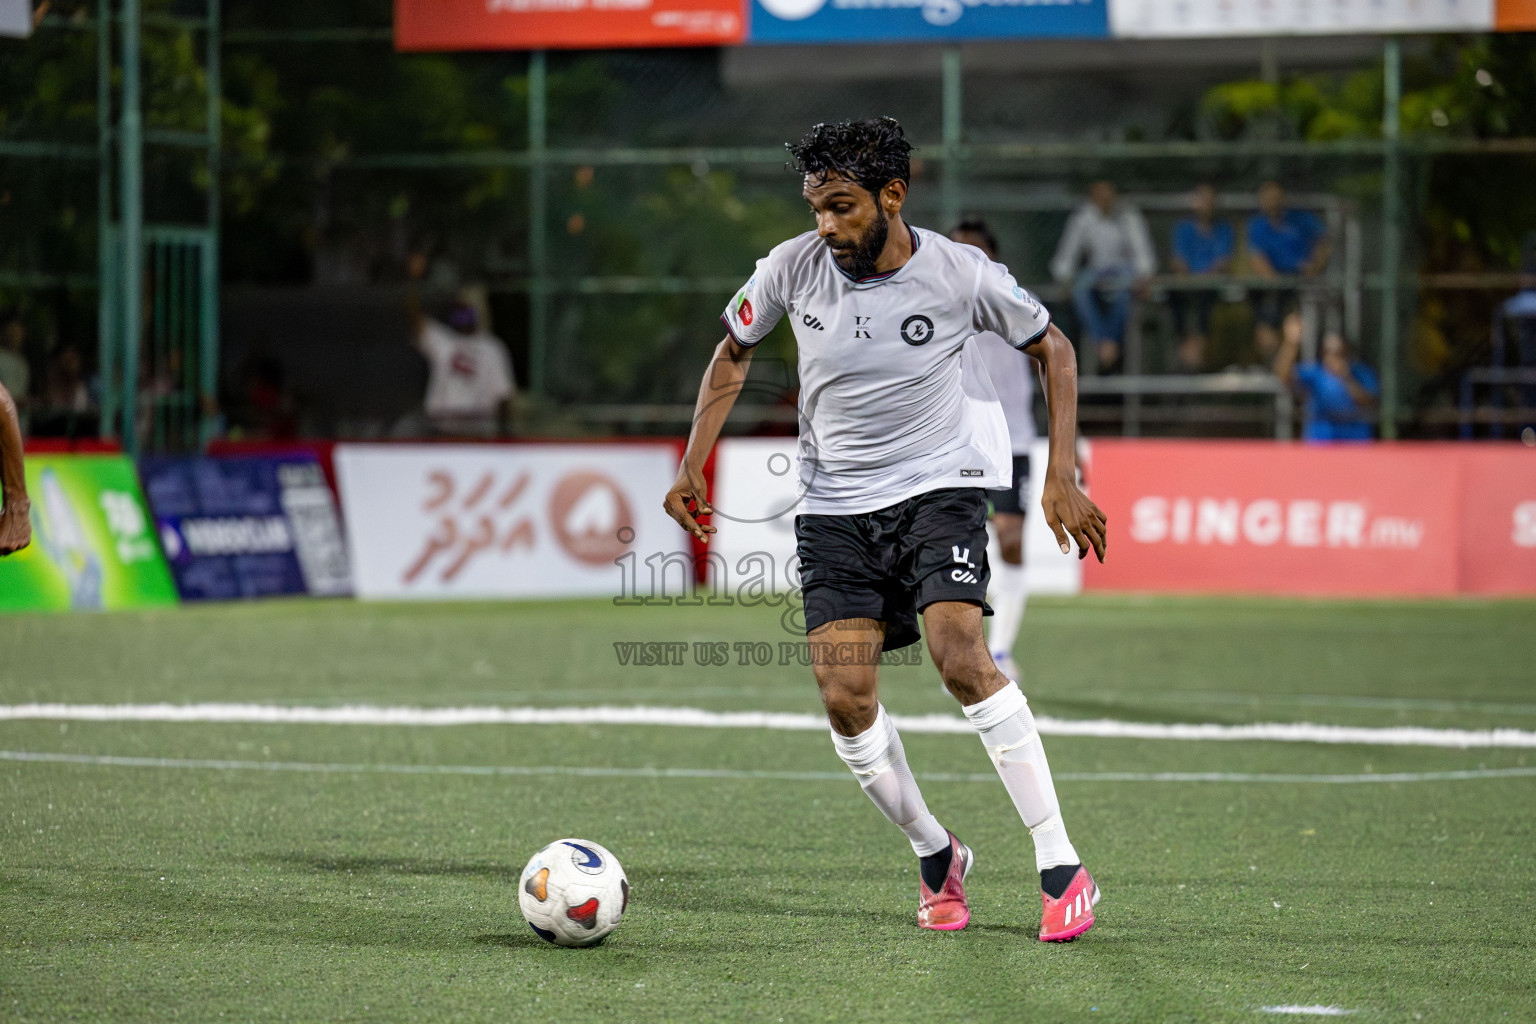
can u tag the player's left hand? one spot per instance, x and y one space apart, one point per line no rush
15 527
1068 512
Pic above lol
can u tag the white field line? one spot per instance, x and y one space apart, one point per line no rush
108 761
1101 728
1308 1011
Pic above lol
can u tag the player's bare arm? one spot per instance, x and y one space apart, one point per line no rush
1068 512
15 509
722 383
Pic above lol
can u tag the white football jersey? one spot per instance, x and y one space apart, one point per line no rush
885 409
1012 375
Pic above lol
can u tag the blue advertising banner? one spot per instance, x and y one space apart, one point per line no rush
865 21
257 526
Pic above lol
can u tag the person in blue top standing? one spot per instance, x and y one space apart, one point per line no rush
1281 243
1341 393
1202 247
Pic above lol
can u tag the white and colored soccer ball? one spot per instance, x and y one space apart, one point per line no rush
573 893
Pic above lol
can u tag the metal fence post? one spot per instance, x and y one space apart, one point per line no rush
538 202
207 383
1391 235
949 196
130 151
106 265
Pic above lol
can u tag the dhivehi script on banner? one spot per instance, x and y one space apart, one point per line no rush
489 521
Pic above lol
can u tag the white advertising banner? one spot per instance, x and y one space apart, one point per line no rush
756 496
16 18
493 521
1175 18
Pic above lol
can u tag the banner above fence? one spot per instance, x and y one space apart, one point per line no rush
16 18
863 21
565 24
1163 19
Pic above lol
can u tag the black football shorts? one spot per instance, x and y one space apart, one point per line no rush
892 563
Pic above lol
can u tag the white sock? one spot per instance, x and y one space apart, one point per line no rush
1008 732
1007 596
877 759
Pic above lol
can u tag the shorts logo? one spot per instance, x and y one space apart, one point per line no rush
971 472
917 330
964 558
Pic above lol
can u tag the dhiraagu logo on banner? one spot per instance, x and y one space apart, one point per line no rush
93 542
858 21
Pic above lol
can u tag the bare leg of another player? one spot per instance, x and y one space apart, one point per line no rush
845 655
15 509
1000 715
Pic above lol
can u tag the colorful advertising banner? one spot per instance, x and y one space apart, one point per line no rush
565 24
247 527
1168 18
1366 520
867 21
93 546
479 521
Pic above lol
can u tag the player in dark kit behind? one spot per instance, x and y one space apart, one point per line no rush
896 455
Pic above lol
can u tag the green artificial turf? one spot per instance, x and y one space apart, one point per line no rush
197 893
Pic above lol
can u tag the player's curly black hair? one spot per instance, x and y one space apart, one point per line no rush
873 153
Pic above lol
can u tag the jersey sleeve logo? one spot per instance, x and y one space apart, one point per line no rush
744 311
917 330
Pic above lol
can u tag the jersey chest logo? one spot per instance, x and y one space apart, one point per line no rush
917 330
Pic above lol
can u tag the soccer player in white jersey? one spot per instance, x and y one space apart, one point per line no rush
1010 373
895 458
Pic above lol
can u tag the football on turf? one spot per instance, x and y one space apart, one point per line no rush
573 893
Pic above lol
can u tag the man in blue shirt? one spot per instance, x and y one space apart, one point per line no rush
1341 393
1281 243
1202 247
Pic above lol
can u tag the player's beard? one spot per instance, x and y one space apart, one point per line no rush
859 258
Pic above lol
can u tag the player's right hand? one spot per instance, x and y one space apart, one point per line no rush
689 490
15 528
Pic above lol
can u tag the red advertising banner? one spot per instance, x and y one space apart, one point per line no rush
1260 517
1498 520
566 24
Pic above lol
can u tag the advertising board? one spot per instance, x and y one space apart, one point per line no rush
1167 18
254 526
558 24
866 21
486 521
1365 520
93 545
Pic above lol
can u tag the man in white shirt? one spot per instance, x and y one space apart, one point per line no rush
894 459
469 383
1010 374
1106 253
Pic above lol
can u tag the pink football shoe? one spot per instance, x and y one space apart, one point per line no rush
946 910
1065 919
